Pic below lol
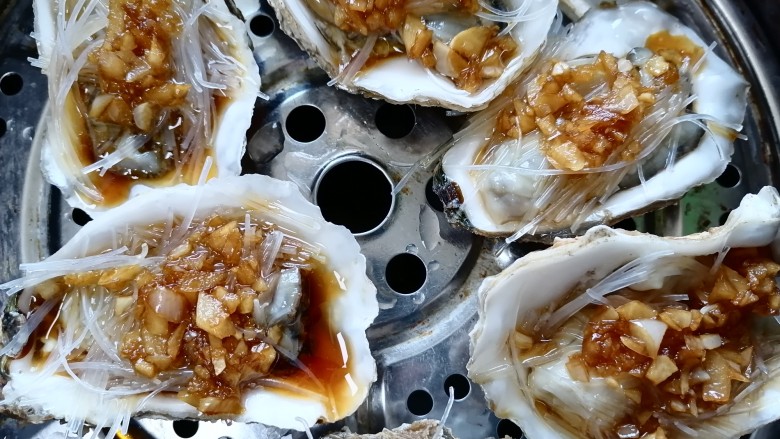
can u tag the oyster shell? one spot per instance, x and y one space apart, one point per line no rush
567 149
422 429
382 60
530 355
230 300
133 107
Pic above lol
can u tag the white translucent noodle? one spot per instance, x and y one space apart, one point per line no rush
306 428
356 62
440 428
517 16
269 250
125 148
634 272
295 362
30 325
38 272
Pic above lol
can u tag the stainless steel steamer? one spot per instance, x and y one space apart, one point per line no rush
426 272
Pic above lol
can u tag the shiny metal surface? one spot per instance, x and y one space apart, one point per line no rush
419 339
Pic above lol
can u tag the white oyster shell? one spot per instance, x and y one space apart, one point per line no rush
401 80
62 42
40 396
495 201
547 277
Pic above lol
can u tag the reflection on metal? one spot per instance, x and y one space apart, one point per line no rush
419 339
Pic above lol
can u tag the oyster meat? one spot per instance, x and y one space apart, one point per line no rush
231 300
624 334
625 111
143 93
455 54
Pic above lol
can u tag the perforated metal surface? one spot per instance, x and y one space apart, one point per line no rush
419 339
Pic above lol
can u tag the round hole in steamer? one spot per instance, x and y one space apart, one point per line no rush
460 386
80 217
185 428
433 200
305 123
508 428
356 193
626 224
395 121
11 83
262 25
419 402
3 127
730 177
405 273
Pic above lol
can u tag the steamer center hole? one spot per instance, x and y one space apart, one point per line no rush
356 194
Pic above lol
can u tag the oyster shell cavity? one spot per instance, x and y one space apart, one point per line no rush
540 394
323 298
399 79
531 164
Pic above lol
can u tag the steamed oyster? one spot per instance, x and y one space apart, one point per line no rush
455 54
628 110
623 334
230 300
142 93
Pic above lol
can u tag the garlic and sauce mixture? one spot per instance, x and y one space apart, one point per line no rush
456 54
232 307
450 37
617 114
667 357
618 334
229 300
141 92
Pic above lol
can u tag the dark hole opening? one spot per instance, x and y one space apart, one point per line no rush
508 428
723 218
185 428
305 123
80 217
626 224
460 385
419 402
405 273
3 127
11 83
395 121
730 177
262 25
433 200
355 194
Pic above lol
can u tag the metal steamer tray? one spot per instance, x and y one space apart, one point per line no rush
347 153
